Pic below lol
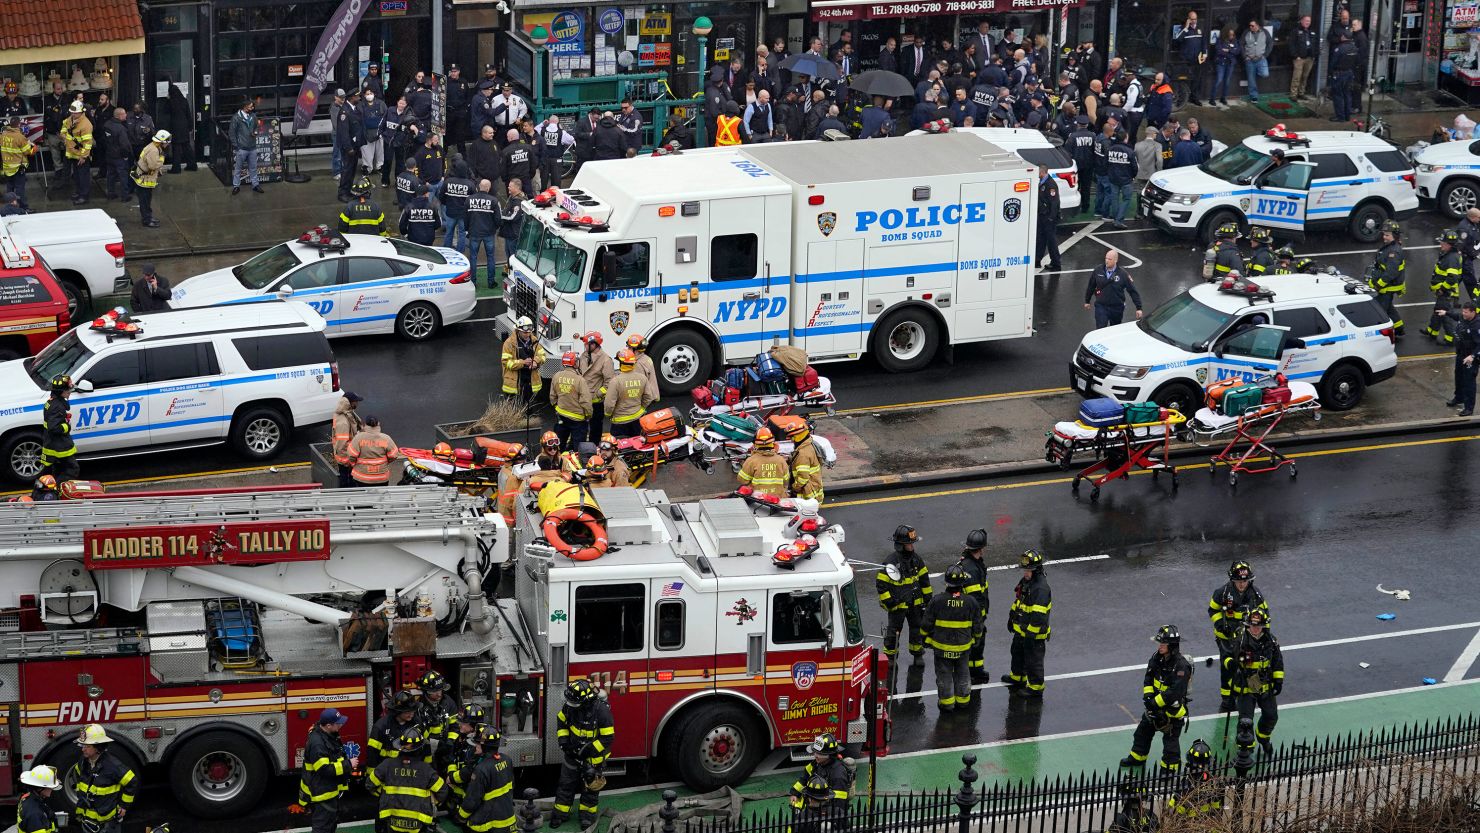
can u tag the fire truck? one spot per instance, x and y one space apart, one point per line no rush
207 630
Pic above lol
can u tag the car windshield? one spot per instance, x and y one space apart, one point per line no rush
1185 322
1238 164
547 254
61 356
267 267
406 248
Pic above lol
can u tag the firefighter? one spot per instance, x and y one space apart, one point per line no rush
1387 275
437 713
1258 676
827 763
598 473
628 394
806 466
522 357
1226 256
765 471
105 785
326 772
58 452
639 345
1164 694
596 367
571 397
362 215
489 804
1200 794
347 424
34 813
371 453
617 469
550 463
1284 258
1135 814
585 734
953 624
398 717
810 813
457 757
1445 285
976 587
1261 259
408 787
1032 604
1227 608
904 589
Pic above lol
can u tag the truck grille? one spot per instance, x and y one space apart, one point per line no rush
1154 195
1092 364
523 301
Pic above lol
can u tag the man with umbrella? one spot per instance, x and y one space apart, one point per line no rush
883 86
812 66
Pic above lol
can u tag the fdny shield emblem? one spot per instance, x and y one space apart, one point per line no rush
619 321
1012 209
804 674
1202 375
826 222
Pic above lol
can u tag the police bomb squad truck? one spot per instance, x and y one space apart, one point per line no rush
895 248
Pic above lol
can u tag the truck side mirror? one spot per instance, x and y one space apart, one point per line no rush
825 618
606 268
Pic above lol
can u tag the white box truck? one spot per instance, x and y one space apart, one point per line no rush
896 247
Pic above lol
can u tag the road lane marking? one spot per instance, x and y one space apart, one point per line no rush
1466 659
1123 253
959 400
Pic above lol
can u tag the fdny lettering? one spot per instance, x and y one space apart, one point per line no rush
90 415
518 157
749 168
748 310
93 711
922 216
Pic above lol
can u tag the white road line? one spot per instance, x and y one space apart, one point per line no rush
1128 230
1089 228
1467 658
1325 643
1123 253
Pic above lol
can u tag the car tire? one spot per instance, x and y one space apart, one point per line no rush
1366 222
79 301
418 321
682 359
22 457
218 775
905 340
1219 218
1458 196
1181 395
716 745
1342 387
260 433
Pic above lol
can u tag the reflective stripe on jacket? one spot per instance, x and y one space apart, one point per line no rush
370 454
1031 605
103 787
325 769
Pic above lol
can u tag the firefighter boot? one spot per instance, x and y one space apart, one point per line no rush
558 820
918 659
1130 762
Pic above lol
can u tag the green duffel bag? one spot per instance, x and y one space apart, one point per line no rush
1241 400
1137 413
734 427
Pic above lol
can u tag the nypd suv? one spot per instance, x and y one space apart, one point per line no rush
1449 175
1330 179
1338 339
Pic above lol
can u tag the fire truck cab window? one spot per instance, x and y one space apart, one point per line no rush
621 266
799 617
669 624
608 618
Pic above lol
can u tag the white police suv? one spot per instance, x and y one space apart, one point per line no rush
1323 329
247 375
1333 179
359 283
1449 176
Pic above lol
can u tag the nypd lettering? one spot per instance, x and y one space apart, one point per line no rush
749 309
90 415
928 217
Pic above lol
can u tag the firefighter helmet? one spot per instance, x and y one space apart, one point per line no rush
61 382
514 451
1168 635
1256 619
1199 755
403 701
1031 560
957 577
596 465
548 439
568 358
92 735
765 440
824 744
1241 571
1260 234
43 776
817 788
411 741
472 714
361 187
164 138
592 336
1451 237
580 693
77 107
976 539
46 482
488 737
443 451
524 324
1284 253
1227 231
1392 227
626 359
637 343
905 534
433 681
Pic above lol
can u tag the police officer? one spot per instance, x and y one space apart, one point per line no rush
585 734
552 140
1107 288
827 764
1164 694
1284 261
904 588
398 717
953 624
407 184
1469 250
362 215
453 195
1226 256
1387 274
484 217
1258 669
1081 146
34 813
1048 221
105 785
1344 62
1227 608
489 803
1121 169
976 587
1261 259
571 398
458 91
1466 359
408 787
628 395
326 772
58 452
349 135
765 471
1445 284
1032 603
1199 794
419 220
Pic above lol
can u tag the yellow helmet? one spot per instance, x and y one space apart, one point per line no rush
92 734
443 451
626 359
43 776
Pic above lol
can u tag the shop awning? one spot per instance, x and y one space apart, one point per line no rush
70 30
876 9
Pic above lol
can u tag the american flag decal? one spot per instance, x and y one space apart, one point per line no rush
672 588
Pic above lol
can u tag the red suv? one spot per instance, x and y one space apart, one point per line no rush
33 307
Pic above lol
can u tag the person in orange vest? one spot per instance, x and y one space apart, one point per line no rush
727 126
371 453
347 424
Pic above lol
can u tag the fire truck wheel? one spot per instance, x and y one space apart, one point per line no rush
906 340
22 456
218 775
717 745
683 359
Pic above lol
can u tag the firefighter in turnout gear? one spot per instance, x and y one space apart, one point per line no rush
810 813
1226 256
489 804
326 772
953 624
1284 258
1261 258
585 734
455 758
1028 620
1227 608
1445 284
639 345
399 716
362 215
828 764
437 712
58 452
764 470
1164 694
904 589
976 587
628 395
1200 793
1136 815
571 398
806 466
408 787
1258 669
522 356
34 813
105 785
595 366
1387 275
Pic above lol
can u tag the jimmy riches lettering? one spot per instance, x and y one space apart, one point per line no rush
921 216
810 707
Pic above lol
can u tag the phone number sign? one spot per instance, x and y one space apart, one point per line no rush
201 545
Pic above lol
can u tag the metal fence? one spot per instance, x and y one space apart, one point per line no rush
1323 784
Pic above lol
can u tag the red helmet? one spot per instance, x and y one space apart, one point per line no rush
626 359
637 343
568 359
592 336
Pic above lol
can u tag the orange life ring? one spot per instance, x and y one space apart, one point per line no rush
583 517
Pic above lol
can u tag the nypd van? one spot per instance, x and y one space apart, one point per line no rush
245 375
897 248
1335 336
1337 179
1449 176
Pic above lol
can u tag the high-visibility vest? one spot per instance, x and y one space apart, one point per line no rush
728 132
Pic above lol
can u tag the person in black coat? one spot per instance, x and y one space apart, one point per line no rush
151 292
419 220
585 133
889 55
483 156
118 155
608 142
678 132
1107 289
349 134
517 160
1048 220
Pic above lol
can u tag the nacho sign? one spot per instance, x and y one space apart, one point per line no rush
201 545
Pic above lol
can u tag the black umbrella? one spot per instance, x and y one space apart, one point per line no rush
884 83
806 63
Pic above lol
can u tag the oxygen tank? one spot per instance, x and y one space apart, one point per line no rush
1210 255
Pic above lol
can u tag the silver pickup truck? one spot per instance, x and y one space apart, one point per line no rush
84 249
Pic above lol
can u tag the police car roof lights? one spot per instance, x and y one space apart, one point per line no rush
566 220
116 322
1236 285
1278 133
325 238
787 555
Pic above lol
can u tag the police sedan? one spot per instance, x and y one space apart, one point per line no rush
359 283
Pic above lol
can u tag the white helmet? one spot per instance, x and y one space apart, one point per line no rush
44 777
92 735
524 324
77 107
163 137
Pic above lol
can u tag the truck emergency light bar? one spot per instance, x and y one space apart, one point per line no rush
116 322
15 254
1236 285
1278 133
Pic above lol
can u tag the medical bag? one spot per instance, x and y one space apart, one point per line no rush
735 378
1277 395
661 425
807 381
1137 413
767 368
734 427
1213 393
1101 412
1240 400
704 395
792 359
788 426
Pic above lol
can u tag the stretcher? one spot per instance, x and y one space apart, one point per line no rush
1118 449
765 405
717 449
1250 431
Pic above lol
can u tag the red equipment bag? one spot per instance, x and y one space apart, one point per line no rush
703 397
1278 395
807 382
